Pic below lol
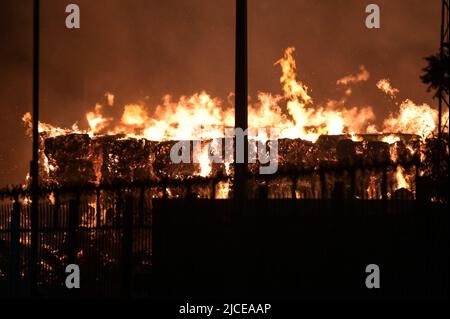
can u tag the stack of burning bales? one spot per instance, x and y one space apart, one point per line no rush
81 159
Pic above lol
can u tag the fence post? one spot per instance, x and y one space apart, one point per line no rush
213 189
119 205
14 271
97 208
127 247
384 183
141 205
323 183
294 187
74 220
56 210
353 182
416 179
164 185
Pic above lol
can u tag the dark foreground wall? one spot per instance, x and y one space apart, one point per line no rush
299 249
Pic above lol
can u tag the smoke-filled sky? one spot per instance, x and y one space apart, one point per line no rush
141 50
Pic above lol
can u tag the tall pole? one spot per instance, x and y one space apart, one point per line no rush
240 104
440 86
33 266
445 40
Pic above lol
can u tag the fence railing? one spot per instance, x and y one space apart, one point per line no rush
106 232
107 229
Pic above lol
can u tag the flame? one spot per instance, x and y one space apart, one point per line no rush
385 86
134 114
48 129
355 138
291 87
413 119
109 98
205 164
196 117
362 76
223 190
401 181
52 198
293 113
96 121
391 139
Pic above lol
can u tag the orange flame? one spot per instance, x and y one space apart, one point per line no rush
293 113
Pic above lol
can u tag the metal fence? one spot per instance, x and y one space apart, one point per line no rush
107 233
107 229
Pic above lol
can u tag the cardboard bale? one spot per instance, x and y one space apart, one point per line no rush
125 159
69 159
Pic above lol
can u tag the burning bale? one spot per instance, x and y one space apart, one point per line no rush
377 153
70 160
197 163
164 166
327 148
296 154
75 159
78 158
125 159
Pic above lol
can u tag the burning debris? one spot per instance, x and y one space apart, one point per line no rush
115 158
310 137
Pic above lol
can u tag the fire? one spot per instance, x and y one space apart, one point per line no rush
413 119
355 138
362 76
293 113
109 98
222 190
134 114
391 139
401 181
96 121
385 86
205 164
48 129
335 124
196 117
291 87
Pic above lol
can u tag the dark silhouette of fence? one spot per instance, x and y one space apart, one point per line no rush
160 239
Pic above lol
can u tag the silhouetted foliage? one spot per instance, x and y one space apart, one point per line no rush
437 72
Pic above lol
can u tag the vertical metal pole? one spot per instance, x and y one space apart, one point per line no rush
74 223
127 248
441 56
98 209
14 272
34 164
445 38
240 107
